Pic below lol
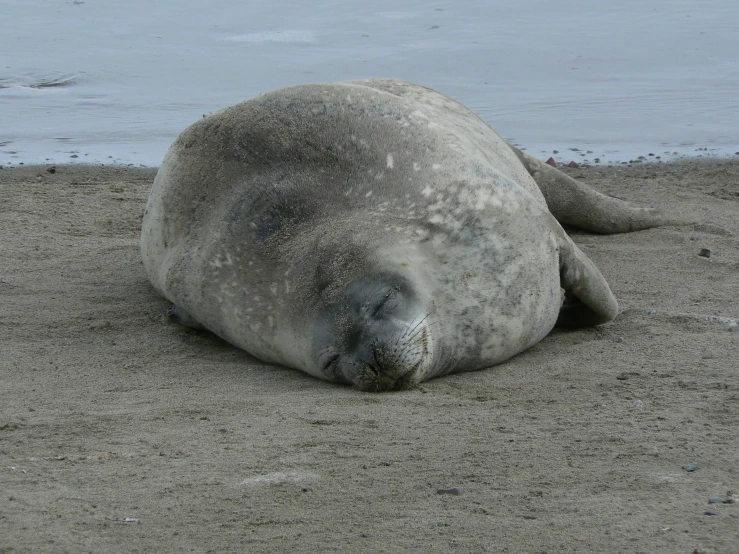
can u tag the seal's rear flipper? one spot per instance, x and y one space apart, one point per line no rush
181 317
588 298
576 204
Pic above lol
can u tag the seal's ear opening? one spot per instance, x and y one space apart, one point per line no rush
588 298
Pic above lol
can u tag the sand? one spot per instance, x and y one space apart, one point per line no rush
121 432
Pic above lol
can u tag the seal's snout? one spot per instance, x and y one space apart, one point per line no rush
376 340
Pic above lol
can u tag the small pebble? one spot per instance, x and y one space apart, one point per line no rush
707 513
551 162
573 163
692 466
439 524
525 516
705 252
455 491
626 375
714 500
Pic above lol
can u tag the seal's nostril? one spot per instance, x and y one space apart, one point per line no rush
377 367
330 361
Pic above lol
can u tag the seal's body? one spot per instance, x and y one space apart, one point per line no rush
376 233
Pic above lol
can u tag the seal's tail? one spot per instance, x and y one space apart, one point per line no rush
574 203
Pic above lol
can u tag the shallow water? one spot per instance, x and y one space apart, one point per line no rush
115 82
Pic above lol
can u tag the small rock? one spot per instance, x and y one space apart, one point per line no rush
439 524
708 513
626 375
455 491
573 163
551 162
74 156
51 170
692 466
705 252
525 516
714 500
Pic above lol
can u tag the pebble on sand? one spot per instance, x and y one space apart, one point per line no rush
455 491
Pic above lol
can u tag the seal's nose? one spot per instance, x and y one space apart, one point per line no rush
371 369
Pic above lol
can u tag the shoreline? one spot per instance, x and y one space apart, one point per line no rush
562 158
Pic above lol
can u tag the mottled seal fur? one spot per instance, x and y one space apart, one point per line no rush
375 233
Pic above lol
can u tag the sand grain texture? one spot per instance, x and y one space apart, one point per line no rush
120 432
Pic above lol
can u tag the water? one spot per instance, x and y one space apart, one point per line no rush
115 82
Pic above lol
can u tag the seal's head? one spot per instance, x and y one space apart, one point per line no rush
375 334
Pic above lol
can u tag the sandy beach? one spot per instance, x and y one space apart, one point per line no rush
122 432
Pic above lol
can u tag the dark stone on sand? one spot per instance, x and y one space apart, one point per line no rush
455 491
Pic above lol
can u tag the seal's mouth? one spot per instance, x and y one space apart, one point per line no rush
371 378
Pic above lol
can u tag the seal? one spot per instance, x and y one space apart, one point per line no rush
374 233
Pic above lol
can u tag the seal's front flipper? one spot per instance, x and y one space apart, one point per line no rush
588 298
181 317
579 205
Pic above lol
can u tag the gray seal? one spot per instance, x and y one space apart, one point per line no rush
374 233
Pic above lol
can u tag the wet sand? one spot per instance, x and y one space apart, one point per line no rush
121 432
